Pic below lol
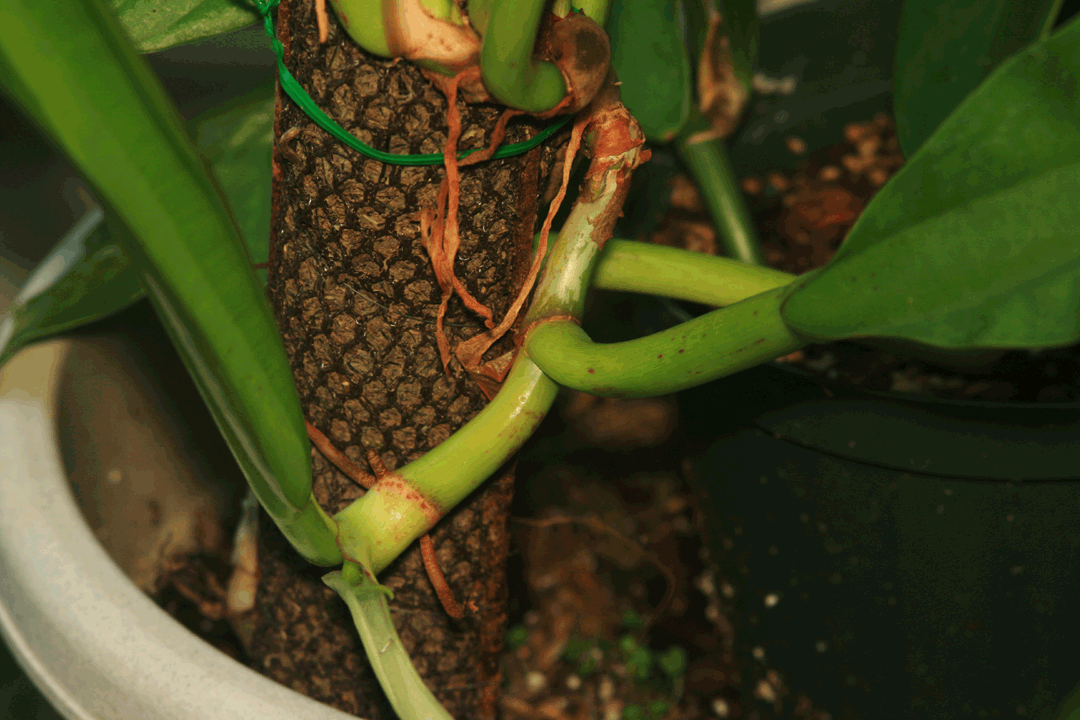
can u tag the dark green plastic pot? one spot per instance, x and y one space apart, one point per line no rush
896 558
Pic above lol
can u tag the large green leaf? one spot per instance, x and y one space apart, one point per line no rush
974 243
650 58
89 275
238 140
158 24
69 63
945 49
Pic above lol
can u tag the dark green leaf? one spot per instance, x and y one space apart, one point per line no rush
237 141
974 242
89 275
115 122
86 277
946 48
650 58
158 24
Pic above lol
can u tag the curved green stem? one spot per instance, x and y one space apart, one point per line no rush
376 528
114 120
708 163
510 72
719 343
680 274
379 526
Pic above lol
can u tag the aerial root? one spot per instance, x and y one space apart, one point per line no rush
471 352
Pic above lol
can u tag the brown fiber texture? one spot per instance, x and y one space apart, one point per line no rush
355 297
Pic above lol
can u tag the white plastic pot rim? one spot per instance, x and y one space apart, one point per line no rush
95 645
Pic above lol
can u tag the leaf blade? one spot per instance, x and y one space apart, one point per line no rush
648 53
154 25
114 120
972 243
945 50
86 277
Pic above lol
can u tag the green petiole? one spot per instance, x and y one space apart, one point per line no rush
681 275
379 526
510 72
708 162
404 688
376 528
714 345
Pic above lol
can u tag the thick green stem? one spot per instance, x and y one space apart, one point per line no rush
379 526
403 506
680 274
719 343
511 74
708 162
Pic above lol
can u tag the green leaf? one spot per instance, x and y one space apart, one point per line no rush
89 275
650 58
86 277
1070 709
158 24
973 244
673 661
945 49
238 140
115 122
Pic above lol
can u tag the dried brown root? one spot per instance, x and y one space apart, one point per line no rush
439 227
322 21
471 352
340 460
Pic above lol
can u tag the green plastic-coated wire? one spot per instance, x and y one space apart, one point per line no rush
293 89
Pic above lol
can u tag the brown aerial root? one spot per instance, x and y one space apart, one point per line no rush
427 548
439 226
471 352
322 20
340 460
438 580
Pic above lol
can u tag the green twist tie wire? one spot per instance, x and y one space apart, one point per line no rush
293 89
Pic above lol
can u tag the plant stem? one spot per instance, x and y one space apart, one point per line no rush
114 120
716 344
680 274
404 505
707 160
378 527
510 73
404 688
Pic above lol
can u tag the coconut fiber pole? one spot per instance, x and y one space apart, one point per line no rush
355 296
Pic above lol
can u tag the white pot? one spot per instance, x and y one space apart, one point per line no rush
96 646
